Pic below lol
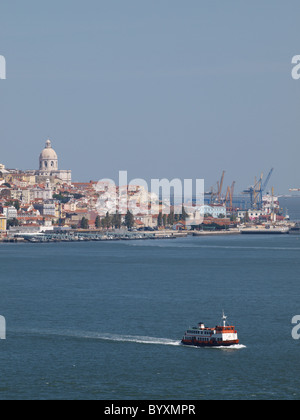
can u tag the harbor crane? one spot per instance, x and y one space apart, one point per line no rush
229 196
220 186
256 191
216 194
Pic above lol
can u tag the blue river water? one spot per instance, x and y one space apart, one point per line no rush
105 320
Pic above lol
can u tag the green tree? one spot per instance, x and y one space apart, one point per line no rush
184 214
13 223
117 220
165 220
84 224
14 203
171 218
106 222
61 198
129 220
98 222
160 220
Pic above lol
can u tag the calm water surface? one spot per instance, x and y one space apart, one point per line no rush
104 320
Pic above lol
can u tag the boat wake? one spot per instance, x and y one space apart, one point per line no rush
233 347
105 337
137 339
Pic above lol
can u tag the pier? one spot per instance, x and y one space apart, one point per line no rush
80 236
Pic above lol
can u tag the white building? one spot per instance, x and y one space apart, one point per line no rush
271 204
44 193
9 212
215 211
48 165
3 171
252 214
46 208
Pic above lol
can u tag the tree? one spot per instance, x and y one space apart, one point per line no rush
129 220
247 217
98 222
184 214
165 220
84 224
171 218
13 223
160 220
14 203
61 198
117 220
107 221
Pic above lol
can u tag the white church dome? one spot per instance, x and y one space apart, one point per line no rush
48 152
48 158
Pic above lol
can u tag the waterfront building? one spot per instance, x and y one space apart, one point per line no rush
143 220
214 211
253 214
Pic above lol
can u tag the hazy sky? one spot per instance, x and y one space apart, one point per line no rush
160 88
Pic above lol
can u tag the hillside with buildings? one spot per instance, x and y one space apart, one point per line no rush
34 201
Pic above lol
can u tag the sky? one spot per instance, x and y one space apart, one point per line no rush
160 88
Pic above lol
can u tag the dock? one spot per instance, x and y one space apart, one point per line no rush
217 232
266 231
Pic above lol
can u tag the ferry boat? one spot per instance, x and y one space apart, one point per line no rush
220 336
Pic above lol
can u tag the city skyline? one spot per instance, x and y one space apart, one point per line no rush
66 175
159 90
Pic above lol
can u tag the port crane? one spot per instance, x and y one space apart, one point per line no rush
256 191
229 196
220 187
216 196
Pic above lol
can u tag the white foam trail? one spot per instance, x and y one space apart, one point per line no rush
233 347
138 339
106 336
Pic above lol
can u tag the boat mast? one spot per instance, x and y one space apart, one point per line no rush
224 319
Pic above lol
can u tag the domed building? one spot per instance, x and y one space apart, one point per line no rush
48 159
48 165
